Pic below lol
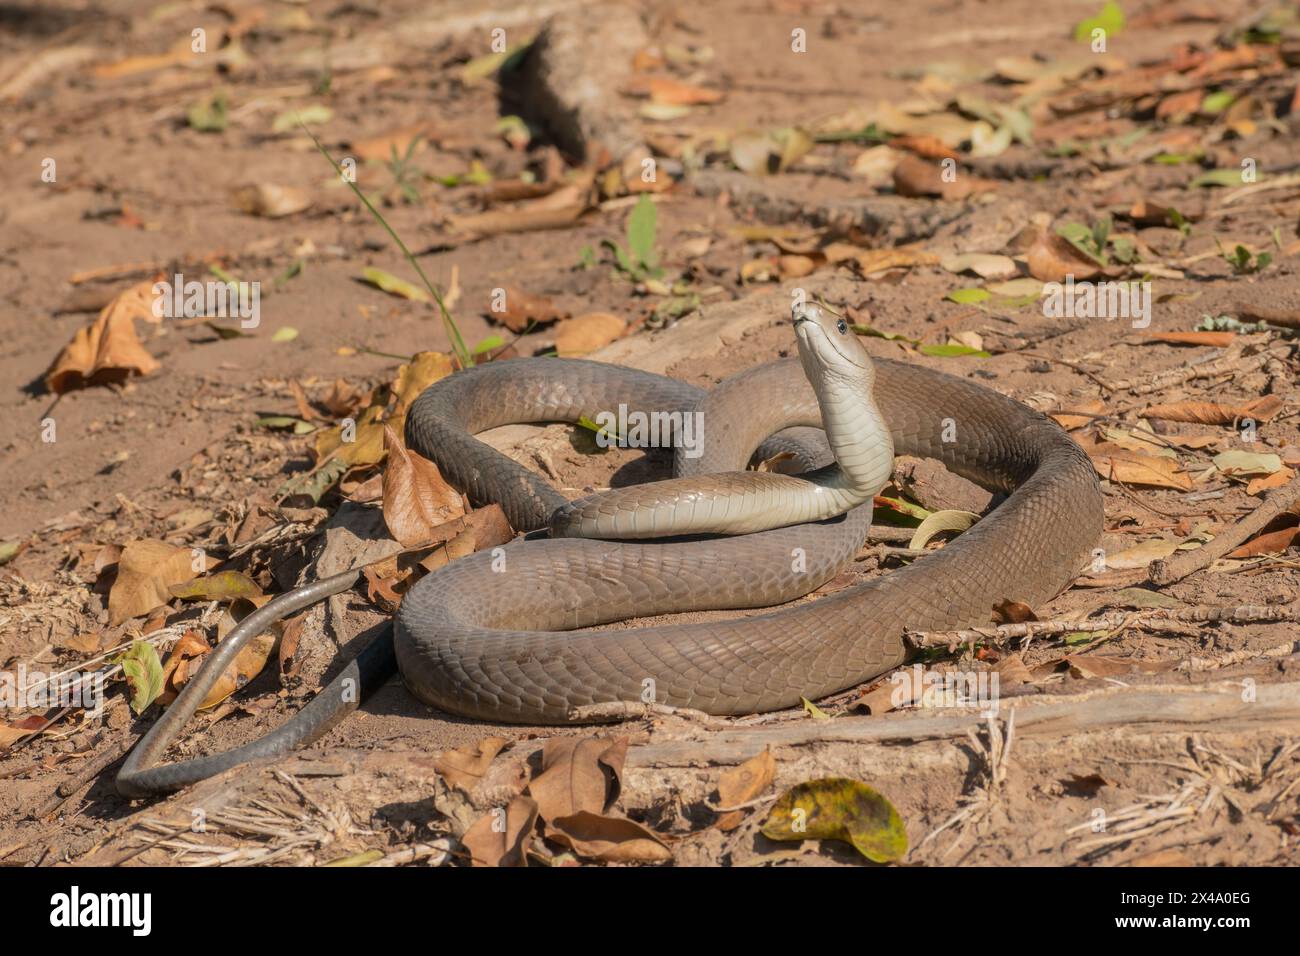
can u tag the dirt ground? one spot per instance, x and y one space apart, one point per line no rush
1179 732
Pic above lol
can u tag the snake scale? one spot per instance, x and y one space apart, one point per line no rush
494 635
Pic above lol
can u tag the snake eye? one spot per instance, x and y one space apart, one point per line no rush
842 327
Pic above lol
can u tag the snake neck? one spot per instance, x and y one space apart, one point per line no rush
857 434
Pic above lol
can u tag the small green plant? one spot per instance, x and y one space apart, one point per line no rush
1243 262
639 261
463 355
211 115
404 174
1097 243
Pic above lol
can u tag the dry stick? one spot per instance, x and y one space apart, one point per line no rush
1164 572
65 790
1243 614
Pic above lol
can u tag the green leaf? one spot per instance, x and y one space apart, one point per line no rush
641 228
285 333
947 520
1110 18
488 344
952 350
969 296
1217 102
316 113
144 674
813 711
209 116
298 425
9 550
838 808
222 586
393 285
1220 177
1247 463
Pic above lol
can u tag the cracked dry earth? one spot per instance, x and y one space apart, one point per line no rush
1183 736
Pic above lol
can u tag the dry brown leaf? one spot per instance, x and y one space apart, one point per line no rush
1077 416
1218 340
666 90
380 148
521 310
926 146
742 784
871 261
578 775
1274 542
586 333
1211 413
486 527
1279 478
501 837
270 201
914 176
107 350
1135 468
145 573
795 266
1051 258
465 766
10 734
416 498
415 376
1013 612
609 839
190 654
522 218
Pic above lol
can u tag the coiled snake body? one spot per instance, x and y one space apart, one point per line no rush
490 635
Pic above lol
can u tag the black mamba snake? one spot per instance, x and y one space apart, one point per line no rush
490 635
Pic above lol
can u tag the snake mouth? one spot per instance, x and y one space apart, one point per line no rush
822 341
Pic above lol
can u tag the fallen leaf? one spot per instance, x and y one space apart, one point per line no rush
838 808
609 839
664 89
1247 463
10 734
144 674
1279 478
416 498
1052 258
107 350
1211 413
1077 416
1136 468
381 147
938 522
914 176
270 201
501 837
586 333
415 376
1218 340
578 775
222 586
394 286
1013 612
984 265
465 766
1273 542
813 711
520 311
146 572
739 785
